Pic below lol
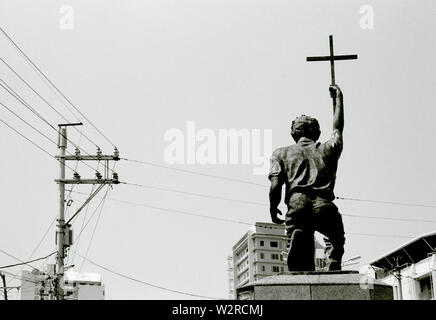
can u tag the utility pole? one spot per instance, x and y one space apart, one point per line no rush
61 219
400 286
432 268
5 291
397 274
64 232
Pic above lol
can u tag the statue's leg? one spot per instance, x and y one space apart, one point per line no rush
301 257
300 234
328 221
301 251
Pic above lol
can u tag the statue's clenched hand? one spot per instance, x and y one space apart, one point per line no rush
335 91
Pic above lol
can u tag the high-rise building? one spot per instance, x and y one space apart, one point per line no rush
231 277
262 252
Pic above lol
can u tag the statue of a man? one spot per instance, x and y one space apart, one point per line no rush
308 170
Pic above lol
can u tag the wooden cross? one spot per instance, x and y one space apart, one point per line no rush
332 59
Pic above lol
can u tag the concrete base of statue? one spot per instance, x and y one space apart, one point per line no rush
328 285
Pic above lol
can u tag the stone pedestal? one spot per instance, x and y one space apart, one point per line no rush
331 285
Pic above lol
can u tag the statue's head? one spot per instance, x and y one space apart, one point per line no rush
305 126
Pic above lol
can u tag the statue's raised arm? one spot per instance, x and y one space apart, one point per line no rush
338 108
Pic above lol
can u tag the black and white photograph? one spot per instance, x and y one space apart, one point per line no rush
228 152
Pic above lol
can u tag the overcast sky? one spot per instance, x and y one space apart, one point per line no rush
139 68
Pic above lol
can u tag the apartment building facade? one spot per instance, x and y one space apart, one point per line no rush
262 252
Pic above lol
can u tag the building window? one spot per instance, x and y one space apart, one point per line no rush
275 269
426 292
262 243
263 268
395 288
274 244
283 269
262 256
274 256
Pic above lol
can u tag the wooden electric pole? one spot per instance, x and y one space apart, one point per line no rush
64 233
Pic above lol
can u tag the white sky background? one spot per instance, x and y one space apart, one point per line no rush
139 68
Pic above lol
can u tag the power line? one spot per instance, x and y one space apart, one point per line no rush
175 211
51 83
148 283
389 202
41 133
86 202
389 218
226 220
194 194
5 86
16 276
263 204
16 115
32 142
10 288
33 66
44 135
195 172
378 235
42 98
15 258
27 262
95 226
38 245
149 163
13 93
78 147
84 219
90 218
92 215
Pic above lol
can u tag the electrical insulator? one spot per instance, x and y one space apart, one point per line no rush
76 176
116 153
99 152
77 152
98 175
115 176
